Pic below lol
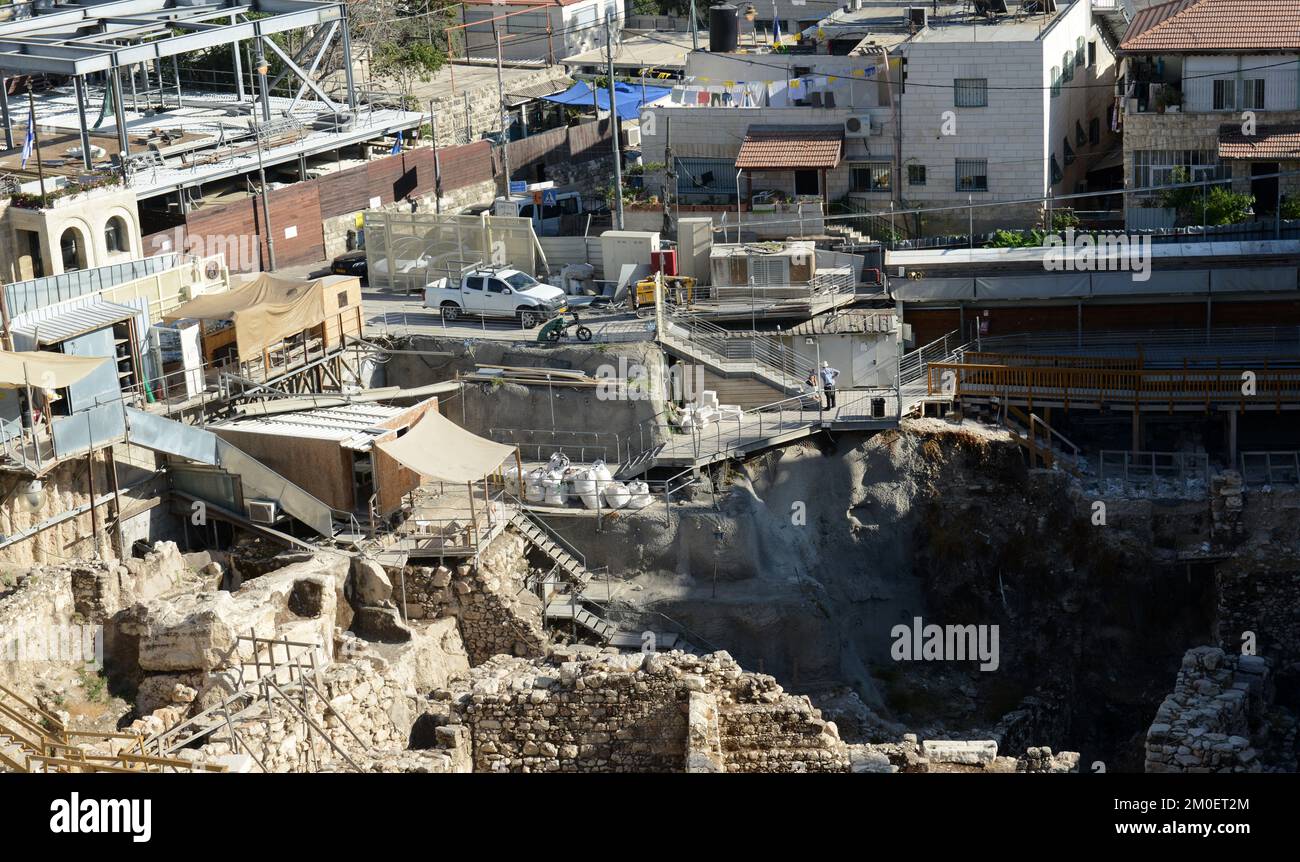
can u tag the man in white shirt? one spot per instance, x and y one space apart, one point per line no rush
828 376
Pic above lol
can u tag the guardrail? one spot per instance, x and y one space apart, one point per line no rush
1147 469
588 445
1270 468
912 365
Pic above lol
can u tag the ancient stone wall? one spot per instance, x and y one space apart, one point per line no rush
1207 723
631 713
497 616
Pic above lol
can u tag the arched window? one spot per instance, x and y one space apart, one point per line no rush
72 249
115 235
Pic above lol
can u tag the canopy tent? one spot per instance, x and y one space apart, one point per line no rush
628 98
438 448
265 310
44 369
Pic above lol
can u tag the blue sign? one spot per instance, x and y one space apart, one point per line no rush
518 187
550 198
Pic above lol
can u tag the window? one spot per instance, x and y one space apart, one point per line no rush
1094 131
1069 152
1056 81
1057 174
496 285
871 177
343 299
916 175
1092 54
522 281
970 92
1078 52
972 175
72 250
115 234
1080 136
1067 66
1252 94
474 282
1225 91
1156 167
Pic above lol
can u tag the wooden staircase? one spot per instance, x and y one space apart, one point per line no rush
1034 435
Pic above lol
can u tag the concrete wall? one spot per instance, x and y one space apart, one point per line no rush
86 215
1017 132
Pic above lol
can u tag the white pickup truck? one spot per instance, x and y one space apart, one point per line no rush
496 293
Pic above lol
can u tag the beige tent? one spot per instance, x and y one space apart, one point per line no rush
438 448
265 310
43 369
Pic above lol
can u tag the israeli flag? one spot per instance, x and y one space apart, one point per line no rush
776 31
397 145
31 137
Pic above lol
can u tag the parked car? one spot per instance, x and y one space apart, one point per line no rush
351 263
496 293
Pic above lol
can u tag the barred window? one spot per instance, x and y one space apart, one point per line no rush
1079 56
1067 66
970 92
1225 93
972 175
1157 167
1056 80
916 175
1252 94
871 177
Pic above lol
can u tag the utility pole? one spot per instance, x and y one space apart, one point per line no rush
695 31
36 139
670 171
266 210
505 115
437 163
613 119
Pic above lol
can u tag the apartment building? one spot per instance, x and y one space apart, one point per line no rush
938 106
1210 87
542 31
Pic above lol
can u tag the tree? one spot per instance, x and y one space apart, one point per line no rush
402 41
1196 205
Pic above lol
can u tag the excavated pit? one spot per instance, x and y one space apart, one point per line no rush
815 551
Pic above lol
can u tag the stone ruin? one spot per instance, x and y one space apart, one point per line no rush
1220 717
331 663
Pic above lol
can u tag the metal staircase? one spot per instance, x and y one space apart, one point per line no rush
561 588
1112 17
731 354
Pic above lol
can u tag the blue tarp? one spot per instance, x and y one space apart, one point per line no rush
628 98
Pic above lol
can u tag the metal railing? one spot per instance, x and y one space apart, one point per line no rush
1147 469
577 445
1270 468
912 365
767 354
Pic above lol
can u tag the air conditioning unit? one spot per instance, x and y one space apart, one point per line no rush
262 511
632 138
858 126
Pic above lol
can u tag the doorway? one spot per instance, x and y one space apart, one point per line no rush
1264 188
805 183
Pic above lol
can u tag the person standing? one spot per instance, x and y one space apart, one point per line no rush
828 376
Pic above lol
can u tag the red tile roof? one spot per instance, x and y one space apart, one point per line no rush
1269 143
1214 25
768 148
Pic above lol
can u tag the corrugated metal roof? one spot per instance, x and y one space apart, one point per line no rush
1215 25
527 92
1272 143
72 322
353 425
791 147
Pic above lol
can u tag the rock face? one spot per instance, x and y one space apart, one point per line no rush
667 712
197 632
1221 707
